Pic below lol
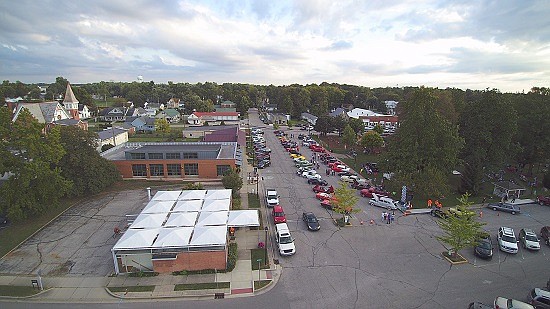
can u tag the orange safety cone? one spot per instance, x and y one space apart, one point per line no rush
371 221
361 222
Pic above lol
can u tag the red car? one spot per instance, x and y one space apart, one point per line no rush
340 168
322 189
278 214
323 196
326 204
368 192
319 149
543 200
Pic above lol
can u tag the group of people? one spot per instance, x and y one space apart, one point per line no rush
437 204
388 217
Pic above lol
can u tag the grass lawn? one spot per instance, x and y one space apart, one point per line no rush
201 286
261 284
256 254
253 200
134 288
17 291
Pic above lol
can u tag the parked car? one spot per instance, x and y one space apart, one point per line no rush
326 204
528 239
507 240
278 214
436 212
484 248
323 196
543 200
458 211
313 176
478 305
263 164
539 298
271 197
508 303
506 207
349 178
284 240
340 168
311 221
545 234
368 192
315 181
319 188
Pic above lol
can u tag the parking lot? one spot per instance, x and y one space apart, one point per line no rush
395 265
79 241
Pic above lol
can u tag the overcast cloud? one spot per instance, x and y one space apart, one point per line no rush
465 44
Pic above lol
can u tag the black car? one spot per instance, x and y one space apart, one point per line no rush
315 181
343 173
264 164
360 186
311 221
484 248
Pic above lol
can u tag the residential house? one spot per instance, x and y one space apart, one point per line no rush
311 119
228 104
385 121
391 106
339 112
144 124
112 136
120 113
212 118
153 108
171 115
173 103
84 111
198 132
278 118
49 113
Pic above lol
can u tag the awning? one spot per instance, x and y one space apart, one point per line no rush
192 195
182 219
136 239
148 221
158 207
209 236
213 218
167 195
174 237
241 218
188 205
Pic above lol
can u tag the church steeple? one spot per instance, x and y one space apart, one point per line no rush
71 103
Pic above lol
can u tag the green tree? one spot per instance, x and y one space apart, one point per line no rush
338 123
349 137
83 165
461 231
371 140
378 129
344 201
488 126
425 147
162 126
36 183
323 125
232 180
357 125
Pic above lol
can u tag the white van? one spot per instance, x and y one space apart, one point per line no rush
285 242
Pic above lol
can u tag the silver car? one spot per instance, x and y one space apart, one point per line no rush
529 239
506 207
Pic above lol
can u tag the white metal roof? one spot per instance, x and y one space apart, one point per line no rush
216 205
188 205
158 207
136 239
239 218
192 195
167 195
218 194
209 236
213 218
148 221
176 237
182 219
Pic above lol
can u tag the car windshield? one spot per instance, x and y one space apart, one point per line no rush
485 245
507 238
531 238
285 240
311 219
278 214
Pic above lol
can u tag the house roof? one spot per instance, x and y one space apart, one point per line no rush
67 122
69 95
309 116
337 112
44 112
202 114
356 112
223 135
109 133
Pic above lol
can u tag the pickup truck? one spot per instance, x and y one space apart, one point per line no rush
285 242
271 197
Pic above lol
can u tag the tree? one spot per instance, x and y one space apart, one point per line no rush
32 158
162 126
323 125
349 137
461 231
83 165
344 201
357 125
378 129
371 140
232 180
338 123
425 147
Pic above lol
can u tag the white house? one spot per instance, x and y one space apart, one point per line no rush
112 136
199 118
391 106
84 111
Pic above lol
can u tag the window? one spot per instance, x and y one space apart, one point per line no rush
222 169
173 155
190 155
156 169
137 156
139 170
191 169
155 156
173 169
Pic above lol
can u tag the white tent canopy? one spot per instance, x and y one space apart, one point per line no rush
148 221
166 195
209 236
176 237
182 219
218 194
192 195
188 205
213 218
158 207
216 205
240 218
135 239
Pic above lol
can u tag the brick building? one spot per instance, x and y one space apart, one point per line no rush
174 160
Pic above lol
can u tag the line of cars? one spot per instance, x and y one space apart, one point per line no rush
508 242
262 154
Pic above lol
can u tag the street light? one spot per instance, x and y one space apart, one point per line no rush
259 261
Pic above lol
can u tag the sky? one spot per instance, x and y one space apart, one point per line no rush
377 43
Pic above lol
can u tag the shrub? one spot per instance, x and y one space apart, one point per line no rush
142 273
232 257
193 186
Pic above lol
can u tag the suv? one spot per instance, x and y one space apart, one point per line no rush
529 239
545 234
278 214
507 240
285 242
271 197
505 303
539 298
484 248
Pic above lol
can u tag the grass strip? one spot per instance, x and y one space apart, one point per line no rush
260 284
133 288
17 291
256 254
253 200
201 286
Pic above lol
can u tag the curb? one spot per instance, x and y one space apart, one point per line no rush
464 260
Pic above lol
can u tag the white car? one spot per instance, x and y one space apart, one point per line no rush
308 173
505 303
383 202
285 242
343 168
349 178
313 176
507 241
271 197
